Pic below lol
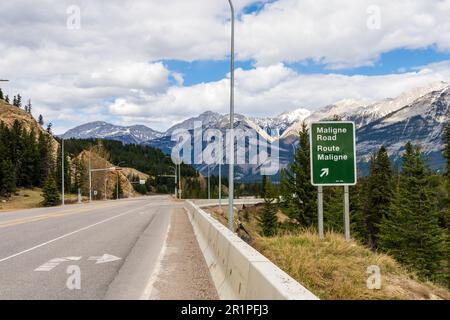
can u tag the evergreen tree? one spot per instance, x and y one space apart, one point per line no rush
446 139
19 101
79 175
379 194
45 164
49 128
1 94
357 219
410 231
29 157
7 181
299 196
268 221
50 193
41 120
28 107
7 99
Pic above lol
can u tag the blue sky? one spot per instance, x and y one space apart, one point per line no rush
395 61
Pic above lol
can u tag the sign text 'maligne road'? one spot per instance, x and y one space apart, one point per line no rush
333 156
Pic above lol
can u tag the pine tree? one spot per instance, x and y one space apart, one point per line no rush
28 159
41 120
268 221
410 230
50 193
446 152
19 101
358 224
45 163
7 99
379 194
333 208
299 196
49 128
28 106
7 181
1 94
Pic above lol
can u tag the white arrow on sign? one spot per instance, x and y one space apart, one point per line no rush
325 172
104 258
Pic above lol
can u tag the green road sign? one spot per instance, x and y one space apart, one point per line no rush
333 153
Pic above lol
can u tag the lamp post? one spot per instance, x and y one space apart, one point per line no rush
62 171
176 181
231 137
209 183
117 169
220 184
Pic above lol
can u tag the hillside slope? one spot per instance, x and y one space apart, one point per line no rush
332 268
10 113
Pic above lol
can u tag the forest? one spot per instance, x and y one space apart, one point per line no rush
400 210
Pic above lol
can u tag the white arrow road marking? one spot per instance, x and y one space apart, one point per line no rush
104 258
325 172
51 264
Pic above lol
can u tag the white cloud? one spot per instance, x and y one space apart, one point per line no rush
110 69
271 90
335 32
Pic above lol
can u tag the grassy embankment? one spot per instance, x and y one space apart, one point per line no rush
28 199
334 268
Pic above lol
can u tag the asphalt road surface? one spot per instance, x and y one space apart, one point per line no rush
103 250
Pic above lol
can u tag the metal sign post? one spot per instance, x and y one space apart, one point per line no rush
320 210
333 162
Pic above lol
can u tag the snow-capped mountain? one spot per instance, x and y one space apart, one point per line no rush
99 129
418 116
422 123
282 121
363 113
341 109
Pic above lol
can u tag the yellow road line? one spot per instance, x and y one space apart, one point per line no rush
19 221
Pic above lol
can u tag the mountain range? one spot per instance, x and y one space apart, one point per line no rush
418 115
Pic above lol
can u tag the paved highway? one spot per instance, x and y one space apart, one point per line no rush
91 251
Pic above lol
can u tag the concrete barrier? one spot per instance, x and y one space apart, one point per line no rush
239 271
237 202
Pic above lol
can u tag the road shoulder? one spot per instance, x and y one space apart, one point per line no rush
182 273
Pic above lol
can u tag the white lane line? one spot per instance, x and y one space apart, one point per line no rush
68 234
150 289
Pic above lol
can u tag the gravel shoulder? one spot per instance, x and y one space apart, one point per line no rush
183 273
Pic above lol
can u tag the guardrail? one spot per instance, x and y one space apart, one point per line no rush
238 271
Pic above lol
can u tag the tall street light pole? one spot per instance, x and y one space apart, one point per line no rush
231 142
209 184
117 184
220 185
62 170
179 181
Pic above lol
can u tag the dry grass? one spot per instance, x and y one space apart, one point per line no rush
335 268
24 199
31 198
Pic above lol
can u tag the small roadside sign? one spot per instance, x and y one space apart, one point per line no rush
333 153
